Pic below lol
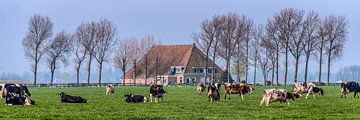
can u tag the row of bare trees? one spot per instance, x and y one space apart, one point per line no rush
90 40
131 50
303 35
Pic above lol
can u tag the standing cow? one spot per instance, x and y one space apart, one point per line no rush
156 91
110 89
200 88
213 92
277 95
348 87
16 94
237 88
308 88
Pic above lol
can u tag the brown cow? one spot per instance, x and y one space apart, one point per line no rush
237 88
200 88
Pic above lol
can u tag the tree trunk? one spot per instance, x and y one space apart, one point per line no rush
277 65
100 70
238 70
134 72
35 71
320 65
145 74
78 74
286 64
52 78
328 70
88 70
306 67
272 73
296 69
247 62
255 71
123 70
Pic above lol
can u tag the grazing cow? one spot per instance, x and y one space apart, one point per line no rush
16 94
200 88
277 95
156 91
65 98
237 88
307 88
135 98
109 89
213 92
348 87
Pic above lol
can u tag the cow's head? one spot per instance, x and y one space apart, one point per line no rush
62 94
146 100
293 95
28 101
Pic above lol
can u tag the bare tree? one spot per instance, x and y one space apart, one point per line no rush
336 29
254 49
287 21
205 40
34 43
230 34
311 38
104 43
58 48
274 44
86 32
79 52
123 55
297 41
145 45
263 52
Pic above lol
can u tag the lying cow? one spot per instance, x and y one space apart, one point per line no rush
237 88
213 92
277 95
348 87
65 98
200 88
156 91
16 94
135 98
110 89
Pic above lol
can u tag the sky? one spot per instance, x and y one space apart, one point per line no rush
172 21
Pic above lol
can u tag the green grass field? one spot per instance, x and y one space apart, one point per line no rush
179 103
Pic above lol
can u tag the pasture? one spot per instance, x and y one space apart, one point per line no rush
179 103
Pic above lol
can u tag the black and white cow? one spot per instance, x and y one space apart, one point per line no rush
65 98
130 98
156 91
214 92
348 87
16 94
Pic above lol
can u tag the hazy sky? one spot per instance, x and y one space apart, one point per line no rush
171 21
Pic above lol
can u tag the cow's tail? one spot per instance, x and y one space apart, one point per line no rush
321 92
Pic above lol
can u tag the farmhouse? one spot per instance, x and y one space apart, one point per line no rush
171 65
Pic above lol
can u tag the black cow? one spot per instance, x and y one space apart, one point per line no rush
348 87
65 98
17 94
214 92
135 98
156 91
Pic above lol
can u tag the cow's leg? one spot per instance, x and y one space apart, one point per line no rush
307 95
151 97
262 101
242 96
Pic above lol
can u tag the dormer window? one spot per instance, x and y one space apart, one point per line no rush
176 69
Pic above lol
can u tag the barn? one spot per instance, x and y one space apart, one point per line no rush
172 65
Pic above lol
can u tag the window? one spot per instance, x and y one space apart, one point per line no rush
198 70
172 70
181 80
